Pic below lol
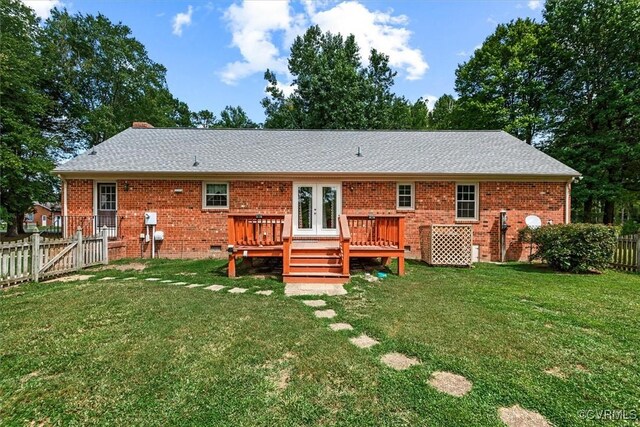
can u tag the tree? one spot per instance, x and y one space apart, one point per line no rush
442 115
25 153
103 79
502 85
332 89
235 117
203 119
593 74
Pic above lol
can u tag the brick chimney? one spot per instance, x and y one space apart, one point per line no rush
141 125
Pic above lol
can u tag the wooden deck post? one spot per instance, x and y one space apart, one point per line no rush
345 241
286 244
401 246
231 233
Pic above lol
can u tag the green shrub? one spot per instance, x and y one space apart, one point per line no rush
577 248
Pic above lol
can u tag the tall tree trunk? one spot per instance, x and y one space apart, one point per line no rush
587 209
12 226
609 212
20 223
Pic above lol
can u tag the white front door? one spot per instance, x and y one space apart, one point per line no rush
316 208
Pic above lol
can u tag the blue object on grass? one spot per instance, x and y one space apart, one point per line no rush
381 275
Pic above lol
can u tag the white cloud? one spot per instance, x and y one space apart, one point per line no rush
462 53
182 20
534 4
430 100
254 24
42 8
375 29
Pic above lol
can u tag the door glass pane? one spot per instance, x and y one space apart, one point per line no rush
329 207
305 208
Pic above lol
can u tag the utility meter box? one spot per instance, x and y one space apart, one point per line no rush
150 218
158 235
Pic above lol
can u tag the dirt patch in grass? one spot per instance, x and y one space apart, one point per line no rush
136 266
29 376
555 372
516 416
71 278
399 361
450 383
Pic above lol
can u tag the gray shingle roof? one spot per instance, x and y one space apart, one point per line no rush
173 150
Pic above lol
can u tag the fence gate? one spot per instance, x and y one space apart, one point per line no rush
38 258
627 254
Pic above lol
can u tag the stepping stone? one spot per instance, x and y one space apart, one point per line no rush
399 361
152 279
341 327
325 314
179 283
166 281
517 416
453 384
264 292
214 288
331 289
314 303
363 341
237 290
193 286
107 278
129 278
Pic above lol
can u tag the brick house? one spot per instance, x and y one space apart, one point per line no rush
44 215
261 190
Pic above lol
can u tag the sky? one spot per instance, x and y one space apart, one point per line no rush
216 52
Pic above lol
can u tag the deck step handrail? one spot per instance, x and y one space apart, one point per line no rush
287 233
377 230
345 241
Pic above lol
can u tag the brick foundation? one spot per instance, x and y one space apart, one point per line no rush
193 232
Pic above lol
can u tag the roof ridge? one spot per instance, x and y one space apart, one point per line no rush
328 130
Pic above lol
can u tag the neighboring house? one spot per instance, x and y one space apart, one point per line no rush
44 215
207 186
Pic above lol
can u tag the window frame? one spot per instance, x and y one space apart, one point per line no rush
476 202
204 195
413 196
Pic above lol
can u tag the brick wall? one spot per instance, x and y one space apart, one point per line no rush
192 232
435 204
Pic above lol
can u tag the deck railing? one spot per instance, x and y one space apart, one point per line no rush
345 242
67 225
256 229
376 230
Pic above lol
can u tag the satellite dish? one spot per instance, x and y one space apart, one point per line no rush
533 221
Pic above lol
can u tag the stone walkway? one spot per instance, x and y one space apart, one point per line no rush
445 382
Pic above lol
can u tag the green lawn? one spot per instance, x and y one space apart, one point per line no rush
146 353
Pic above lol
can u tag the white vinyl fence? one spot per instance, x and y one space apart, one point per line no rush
36 258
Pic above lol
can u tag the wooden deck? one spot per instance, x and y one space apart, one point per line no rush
316 260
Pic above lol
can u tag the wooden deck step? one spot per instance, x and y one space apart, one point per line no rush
315 277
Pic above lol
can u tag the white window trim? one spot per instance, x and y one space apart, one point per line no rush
204 195
477 202
413 196
96 195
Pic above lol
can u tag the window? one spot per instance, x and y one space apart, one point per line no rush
467 201
216 195
405 196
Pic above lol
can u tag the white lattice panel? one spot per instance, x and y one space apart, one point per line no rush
447 244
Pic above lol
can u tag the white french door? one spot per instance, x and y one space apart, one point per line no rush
316 208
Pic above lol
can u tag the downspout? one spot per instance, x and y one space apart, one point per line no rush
567 202
64 203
